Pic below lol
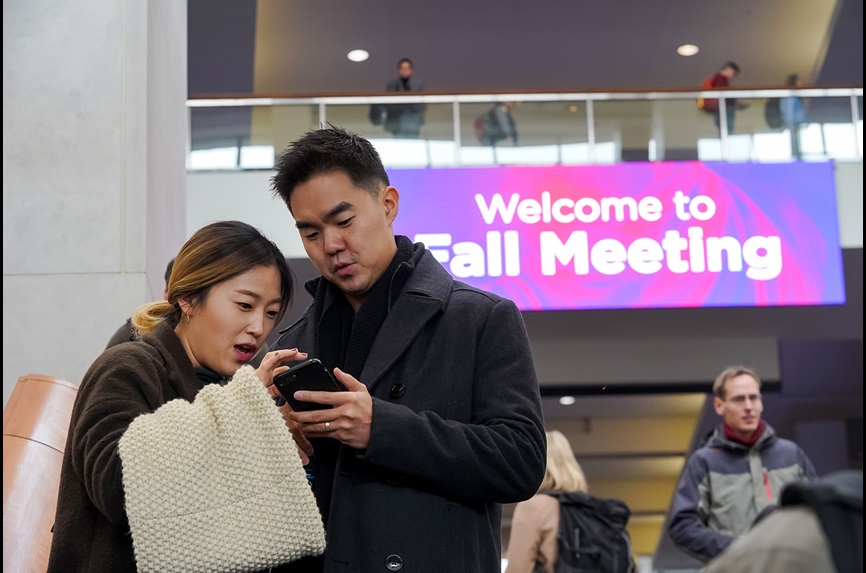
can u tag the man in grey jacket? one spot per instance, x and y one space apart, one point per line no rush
738 473
441 421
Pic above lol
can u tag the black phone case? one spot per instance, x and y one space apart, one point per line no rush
310 375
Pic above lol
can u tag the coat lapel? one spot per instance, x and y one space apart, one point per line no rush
407 318
425 294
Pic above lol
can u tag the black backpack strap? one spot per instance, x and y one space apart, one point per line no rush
837 500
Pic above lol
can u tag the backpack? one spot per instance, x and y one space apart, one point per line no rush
708 105
378 114
837 500
487 128
773 113
592 537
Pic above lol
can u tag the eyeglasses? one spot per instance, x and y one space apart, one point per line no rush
740 400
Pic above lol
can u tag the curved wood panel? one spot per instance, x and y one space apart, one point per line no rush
39 409
35 424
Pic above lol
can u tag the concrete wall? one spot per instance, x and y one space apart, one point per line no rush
94 173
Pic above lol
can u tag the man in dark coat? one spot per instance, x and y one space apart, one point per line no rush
442 420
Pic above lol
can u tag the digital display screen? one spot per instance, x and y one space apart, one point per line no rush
632 235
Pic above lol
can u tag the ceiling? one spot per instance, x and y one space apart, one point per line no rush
299 47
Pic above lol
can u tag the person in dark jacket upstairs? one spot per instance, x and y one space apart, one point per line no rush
404 120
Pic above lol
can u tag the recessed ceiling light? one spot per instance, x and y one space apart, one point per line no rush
688 50
567 400
358 55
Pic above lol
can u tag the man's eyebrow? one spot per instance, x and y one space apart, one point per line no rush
333 212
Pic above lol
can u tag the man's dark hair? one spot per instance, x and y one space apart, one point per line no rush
327 150
407 60
732 65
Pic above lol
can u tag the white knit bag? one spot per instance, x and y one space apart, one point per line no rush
217 484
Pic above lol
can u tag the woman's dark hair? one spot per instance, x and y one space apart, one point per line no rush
215 253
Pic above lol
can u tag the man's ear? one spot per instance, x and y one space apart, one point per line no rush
719 405
391 201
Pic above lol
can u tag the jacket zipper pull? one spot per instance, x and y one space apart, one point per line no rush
767 485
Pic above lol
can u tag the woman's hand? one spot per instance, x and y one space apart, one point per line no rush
270 367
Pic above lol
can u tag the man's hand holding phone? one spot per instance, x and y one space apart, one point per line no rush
309 375
326 406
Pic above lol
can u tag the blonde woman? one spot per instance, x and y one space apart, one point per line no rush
532 546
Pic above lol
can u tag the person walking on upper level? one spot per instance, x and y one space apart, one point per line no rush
793 114
404 120
737 474
722 79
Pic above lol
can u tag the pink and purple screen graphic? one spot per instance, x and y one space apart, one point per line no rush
634 235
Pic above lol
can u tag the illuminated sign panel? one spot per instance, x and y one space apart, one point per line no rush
633 235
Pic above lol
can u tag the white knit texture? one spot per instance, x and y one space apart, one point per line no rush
217 484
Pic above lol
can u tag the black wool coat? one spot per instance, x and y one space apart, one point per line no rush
457 430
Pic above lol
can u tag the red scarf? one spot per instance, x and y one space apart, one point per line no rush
729 433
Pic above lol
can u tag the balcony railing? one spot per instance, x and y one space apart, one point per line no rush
239 133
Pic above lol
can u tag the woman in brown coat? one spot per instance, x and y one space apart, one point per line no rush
171 466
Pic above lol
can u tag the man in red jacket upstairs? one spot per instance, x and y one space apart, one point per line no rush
722 79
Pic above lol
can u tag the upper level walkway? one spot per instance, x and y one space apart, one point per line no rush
241 132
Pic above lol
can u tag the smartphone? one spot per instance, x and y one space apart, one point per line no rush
310 375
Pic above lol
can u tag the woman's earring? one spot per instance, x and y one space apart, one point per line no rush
187 320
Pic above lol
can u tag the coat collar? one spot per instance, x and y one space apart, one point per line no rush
424 294
718 439
429 280
181 373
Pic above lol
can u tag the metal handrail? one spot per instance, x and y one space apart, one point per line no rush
246 101
323 102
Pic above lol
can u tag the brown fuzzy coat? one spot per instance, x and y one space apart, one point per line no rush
91 532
